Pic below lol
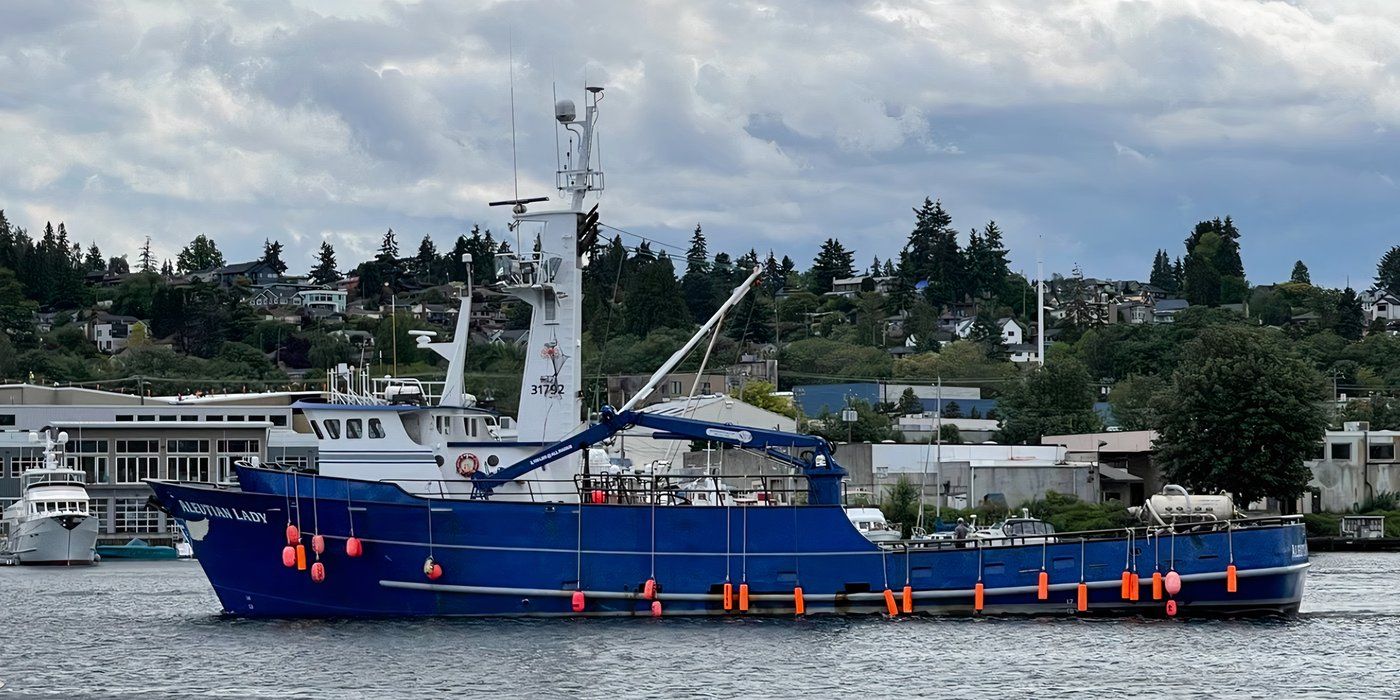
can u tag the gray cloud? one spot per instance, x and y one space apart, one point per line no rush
1102 129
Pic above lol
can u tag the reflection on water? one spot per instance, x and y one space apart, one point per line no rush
151 628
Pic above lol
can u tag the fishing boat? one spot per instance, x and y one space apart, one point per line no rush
490 516
50 523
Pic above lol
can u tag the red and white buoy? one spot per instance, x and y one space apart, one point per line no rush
289 556
318 544
353 547
318 572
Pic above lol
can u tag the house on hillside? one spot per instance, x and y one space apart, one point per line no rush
256 272
1380 304
111 333
849 287
1165 310
321 302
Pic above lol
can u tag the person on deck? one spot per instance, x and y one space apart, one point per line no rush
960 533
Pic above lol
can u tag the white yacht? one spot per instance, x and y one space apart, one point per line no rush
50 523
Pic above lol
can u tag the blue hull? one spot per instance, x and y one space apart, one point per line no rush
513 559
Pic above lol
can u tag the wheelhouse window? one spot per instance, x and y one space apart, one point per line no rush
333 428
316 428
376 429
353 430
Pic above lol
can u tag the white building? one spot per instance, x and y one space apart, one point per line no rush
962 475
638 445
322 301
1377 303
112 333
1354 465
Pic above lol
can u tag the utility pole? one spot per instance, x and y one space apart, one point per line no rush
1040 303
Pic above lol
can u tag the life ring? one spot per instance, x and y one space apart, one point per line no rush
467 464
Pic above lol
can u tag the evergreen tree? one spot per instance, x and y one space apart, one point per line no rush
833 262
147 259
272 255
324 272
1214 271
889 270
789 268
951 410
167 270
200 254
387 267
603 281
874 270
909 403
1163 276
1081 310
697 287
16 312
1300 274
118 266
1351 319
985 333
425 263
774 280
1178 276
932 259
653 297
1388 271
93 261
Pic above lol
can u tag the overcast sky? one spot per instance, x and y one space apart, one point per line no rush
1104 128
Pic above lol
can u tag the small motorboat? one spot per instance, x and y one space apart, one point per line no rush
137 549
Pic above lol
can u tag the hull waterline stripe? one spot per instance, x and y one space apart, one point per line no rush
872 596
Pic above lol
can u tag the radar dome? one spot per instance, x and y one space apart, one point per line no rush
564 111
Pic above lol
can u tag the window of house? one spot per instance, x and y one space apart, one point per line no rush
1341 450
333 428
353 429
376 429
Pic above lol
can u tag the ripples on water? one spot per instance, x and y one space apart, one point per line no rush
150 628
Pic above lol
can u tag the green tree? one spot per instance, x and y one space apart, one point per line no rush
201 254
909 403
653 297
147 258
962 363
931 259
1388 271
949 434
833 262
951 410
272 255
986 334
697 286
1351 318
1134 400
93 261
760 394
1213 269
1240 416
16 312
425 263
1162 275
1300 274
324 272
901 506
1054 399
870 425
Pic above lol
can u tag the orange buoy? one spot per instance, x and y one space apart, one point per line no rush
1135 590
649 589
289 556
301 557
1173 581
1171 608
1083 603
577 603
799 605
1125 593
1042 587
728 596
656 608
908 599
1156 585
435 572
293 534
1231 580
890 606
353 547
318 572
743 597
318 544
978 596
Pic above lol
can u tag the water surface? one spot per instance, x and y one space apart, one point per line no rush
152 629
